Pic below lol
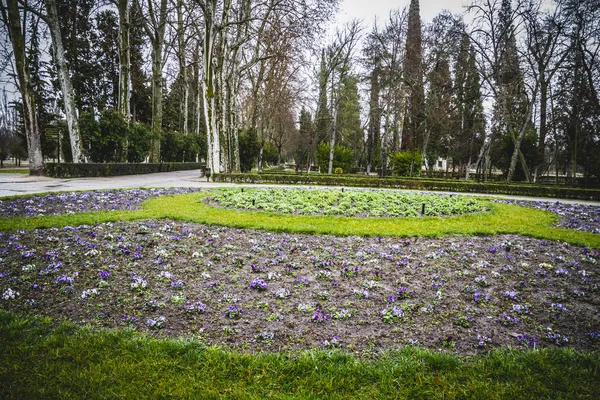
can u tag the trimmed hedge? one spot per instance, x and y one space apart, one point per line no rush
68 170
416 184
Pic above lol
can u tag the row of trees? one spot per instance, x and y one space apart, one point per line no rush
234 82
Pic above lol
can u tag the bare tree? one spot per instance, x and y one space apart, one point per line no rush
155 25
11 16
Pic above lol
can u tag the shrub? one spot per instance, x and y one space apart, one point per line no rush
415 184
342 157
404 160
64 170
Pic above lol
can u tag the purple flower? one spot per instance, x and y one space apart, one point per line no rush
258 284
480 297
177 284
104 274
508 320
561 271
528 341
511 295
319 316
64 280
405 293
234 312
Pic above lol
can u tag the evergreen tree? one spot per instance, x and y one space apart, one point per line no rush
413 77
349 127
323 117
79 37
437 140
107 56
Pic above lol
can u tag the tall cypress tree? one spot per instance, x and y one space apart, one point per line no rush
323 117
413 77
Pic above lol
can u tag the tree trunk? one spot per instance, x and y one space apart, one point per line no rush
124 59
182 67
157 99
157 39
517 151
65 82
209 90
543 125
12 18
332 141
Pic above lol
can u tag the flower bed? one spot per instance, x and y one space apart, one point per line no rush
74 202
255 289
350 203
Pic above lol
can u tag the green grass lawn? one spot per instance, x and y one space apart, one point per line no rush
14 171
39 360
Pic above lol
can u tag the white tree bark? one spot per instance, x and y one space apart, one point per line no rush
12 19
124 59
65 81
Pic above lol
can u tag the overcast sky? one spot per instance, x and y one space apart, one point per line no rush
368 9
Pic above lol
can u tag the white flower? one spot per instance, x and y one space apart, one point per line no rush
10 294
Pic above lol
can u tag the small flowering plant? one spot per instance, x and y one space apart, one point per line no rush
405 293
391 314
302 282
361 293
512 295
10 294
178 298
129 320
480 297
257 269
557 309
177 284
156 323
481 281
324 275
195 308
165 276
323 295
153 305
528 341
234 312
319 317
508 320
333 343
306 307
560 271
139 283
464 320
520 309
265 337
343 314
349 272
258 284
556 338
483 341
89 293
282 293
64 280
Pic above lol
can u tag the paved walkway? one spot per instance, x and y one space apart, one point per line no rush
19 184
